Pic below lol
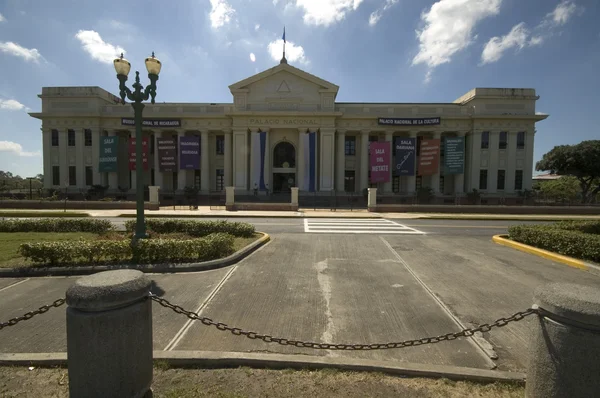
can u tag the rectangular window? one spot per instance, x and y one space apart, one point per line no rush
483 179
71 137
349 181
501 177
350 146
396 184
72 175
220 181
521 140
88 137
485 140
55 175
518 180
89 179
502 141
220 145
54 137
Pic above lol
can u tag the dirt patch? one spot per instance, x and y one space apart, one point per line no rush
247 382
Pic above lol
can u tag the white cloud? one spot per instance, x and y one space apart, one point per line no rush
252 57
220 13
11 105
326 12
257 26
17 149
293 52
562 13
536 40
448 29
98 48
377 14
495 48
27 54
2 19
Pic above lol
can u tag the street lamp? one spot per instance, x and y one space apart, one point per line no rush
122 66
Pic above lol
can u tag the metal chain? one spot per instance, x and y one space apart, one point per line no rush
486 327
31 314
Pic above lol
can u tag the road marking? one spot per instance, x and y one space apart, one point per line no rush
14 284
479 342
349 226
458 226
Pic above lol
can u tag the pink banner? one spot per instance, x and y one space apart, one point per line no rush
380 161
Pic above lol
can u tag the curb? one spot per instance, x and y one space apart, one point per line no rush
216 360
503 218
150 268
275 215
559 258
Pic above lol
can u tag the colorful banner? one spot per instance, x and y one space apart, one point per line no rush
109 147
132 153
310 162
380 161
167 154
454 155
429 159
428 121
259 140
405 150
189 153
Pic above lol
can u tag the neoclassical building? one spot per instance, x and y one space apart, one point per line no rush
284 128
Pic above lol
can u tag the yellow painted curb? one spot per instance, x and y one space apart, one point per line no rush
570 261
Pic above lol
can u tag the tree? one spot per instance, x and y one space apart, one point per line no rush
581 161
564 189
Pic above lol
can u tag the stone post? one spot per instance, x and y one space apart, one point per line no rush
565 343
372 199
295 196
109 335
153 192
229 196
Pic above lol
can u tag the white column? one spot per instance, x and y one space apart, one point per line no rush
267 170
62 157
205 162
327 161
113 177
511 162
387 187
364 159
227 166
493 162
240 159
412 180
181 174
459 179
158 175
528 168
300 160
96 176
341 161
47 158
80 157
254 159
434 183
475 156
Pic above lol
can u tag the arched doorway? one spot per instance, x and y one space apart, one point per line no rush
284 167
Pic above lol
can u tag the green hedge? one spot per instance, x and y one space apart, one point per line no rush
588 227
56 225
563 239
195 228
150 251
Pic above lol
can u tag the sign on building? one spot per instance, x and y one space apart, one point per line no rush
429 157
380 161
428 121
152 122
109 149
167 154
405 150
454 155
189 153
132 153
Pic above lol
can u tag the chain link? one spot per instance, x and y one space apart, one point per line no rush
486 327
31 314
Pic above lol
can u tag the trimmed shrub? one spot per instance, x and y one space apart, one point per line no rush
56 225
588 227
195 228
569 242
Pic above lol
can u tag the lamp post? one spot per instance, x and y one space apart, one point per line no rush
122 66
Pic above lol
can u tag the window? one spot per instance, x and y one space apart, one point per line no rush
501 177
502 141
418 183
220 181
349 180
350 146
55 175
442 184
89 179
87 137
54 137
518 180
72 175
521 140
396 184
485 140
71 137
197 179
220 145
483 179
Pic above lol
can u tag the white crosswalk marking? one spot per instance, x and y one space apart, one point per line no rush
356 226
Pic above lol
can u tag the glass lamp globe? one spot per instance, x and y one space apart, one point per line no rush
122 66
153 65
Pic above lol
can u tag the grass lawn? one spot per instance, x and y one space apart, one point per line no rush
31 213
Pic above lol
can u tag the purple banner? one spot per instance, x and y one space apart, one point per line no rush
189 153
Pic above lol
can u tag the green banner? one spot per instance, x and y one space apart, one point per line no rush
109 147
454 155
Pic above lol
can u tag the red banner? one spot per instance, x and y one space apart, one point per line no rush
429 159
380 161
132 155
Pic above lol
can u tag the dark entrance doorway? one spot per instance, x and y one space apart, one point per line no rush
283 182
284 167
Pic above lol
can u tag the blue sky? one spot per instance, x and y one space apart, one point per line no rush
375 50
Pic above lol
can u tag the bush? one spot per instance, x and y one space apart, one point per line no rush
588 227
195 228
56 225
147 251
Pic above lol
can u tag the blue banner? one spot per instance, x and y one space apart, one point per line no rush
405 151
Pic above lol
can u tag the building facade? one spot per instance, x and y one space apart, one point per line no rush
284 128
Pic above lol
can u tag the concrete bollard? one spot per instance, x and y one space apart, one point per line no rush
109 335
229 196
565 345
294 201
372 198
153 195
